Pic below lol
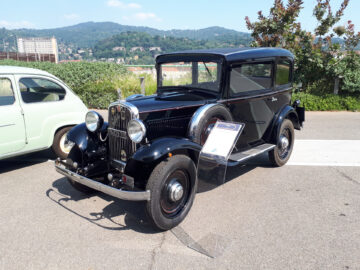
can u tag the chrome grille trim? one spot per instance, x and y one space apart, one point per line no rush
118 138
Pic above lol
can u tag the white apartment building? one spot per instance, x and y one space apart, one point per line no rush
38 45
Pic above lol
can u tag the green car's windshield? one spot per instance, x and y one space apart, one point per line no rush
190 75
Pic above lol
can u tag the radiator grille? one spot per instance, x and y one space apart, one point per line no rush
120 146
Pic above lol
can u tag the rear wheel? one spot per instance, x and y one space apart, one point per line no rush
173 187
285 143
60 148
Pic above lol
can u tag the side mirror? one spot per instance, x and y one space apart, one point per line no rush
296 103
298 88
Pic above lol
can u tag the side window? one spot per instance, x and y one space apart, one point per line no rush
208 75
250 77
40 90
6 92
283 75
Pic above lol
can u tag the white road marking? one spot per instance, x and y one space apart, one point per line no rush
326 153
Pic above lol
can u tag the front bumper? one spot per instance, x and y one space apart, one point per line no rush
118 193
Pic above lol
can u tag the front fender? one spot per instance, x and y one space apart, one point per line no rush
85 139
163 146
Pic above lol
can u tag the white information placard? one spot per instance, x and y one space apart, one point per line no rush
222 139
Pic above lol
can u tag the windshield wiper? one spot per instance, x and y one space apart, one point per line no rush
208 71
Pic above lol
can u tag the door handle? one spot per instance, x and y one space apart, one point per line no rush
273 99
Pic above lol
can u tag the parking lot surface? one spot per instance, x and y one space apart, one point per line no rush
305 215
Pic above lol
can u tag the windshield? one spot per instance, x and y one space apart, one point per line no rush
195 75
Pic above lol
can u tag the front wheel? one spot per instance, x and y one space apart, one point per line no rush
173 187
285 143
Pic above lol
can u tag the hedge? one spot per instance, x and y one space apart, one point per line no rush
329 102
97 84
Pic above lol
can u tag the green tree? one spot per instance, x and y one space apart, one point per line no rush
319 60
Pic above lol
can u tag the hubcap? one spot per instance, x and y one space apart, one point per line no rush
64 146
284 145
176 191
284 142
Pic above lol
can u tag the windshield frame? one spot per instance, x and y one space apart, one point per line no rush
176 58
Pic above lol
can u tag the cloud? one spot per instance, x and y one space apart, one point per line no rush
143 16
16 25
122 5
72 16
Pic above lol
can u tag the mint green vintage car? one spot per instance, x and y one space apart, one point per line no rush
36 112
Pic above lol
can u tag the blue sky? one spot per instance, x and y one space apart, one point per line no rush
161 14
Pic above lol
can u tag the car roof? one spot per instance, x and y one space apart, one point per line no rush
23 70
230 54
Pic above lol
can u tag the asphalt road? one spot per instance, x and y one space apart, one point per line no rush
294 217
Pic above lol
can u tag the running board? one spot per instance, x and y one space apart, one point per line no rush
239 157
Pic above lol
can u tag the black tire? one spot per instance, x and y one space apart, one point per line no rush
281 154
75 156
164 213
58 142
206 124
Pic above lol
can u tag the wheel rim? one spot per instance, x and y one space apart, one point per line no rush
207 129
175 193
64 147
284 145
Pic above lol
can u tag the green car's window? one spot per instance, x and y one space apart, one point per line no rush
250 77
283 73
6 92
40 90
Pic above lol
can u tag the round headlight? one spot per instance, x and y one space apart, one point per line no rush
136 130
93 121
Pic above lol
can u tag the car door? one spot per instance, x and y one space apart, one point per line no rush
250 96
42 99
12 127
283 85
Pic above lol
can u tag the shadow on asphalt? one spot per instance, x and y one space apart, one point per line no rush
134 215
24 161
234 172
133 212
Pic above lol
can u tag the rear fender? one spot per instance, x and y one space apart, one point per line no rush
288 112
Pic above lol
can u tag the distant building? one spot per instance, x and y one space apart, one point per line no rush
151 49
120 61
115 49
134 49
39 46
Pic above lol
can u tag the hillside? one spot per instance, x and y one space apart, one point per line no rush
86 35
140 48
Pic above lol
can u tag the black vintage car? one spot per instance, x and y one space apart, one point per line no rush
149 148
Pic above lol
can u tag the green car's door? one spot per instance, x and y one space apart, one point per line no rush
12 127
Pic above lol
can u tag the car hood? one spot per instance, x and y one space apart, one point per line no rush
171 100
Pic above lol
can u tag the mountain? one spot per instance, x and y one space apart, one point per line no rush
89 33
140 47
